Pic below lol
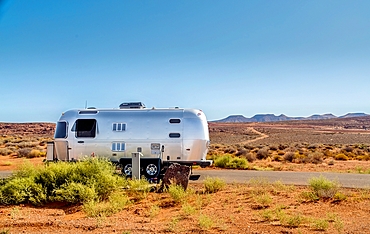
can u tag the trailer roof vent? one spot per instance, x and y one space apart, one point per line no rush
132 105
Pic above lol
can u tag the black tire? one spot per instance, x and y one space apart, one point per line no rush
151 167
127 170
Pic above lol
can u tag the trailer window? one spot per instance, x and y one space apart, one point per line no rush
61 130
175 135
118 146
119 127
175 120
85 127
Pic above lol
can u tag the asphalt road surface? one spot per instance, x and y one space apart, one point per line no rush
287 177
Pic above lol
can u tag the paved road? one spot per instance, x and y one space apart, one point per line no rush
4 174
287 177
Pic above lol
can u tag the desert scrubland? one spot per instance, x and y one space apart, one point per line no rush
256 206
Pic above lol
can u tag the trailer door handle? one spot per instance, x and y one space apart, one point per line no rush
80 142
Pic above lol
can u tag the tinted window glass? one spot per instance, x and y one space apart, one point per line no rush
61 130
175 120
174 135
85 127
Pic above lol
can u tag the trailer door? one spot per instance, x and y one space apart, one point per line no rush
85 133
61 148
60 142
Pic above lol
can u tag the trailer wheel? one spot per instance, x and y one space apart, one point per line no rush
151 169
127 170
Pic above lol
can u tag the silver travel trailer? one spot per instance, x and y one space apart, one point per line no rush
163 136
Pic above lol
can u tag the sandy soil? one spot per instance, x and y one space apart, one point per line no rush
239 208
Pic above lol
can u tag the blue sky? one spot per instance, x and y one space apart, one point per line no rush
290 57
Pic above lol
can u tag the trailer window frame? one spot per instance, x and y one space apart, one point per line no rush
119 127
118 146
61 131
85 128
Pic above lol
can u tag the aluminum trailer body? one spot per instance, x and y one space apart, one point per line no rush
163 136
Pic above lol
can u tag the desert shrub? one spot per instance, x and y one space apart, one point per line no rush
250 157
241 152
188 209
328 153
24 152
341 156
320 224
315 157
116 202
262 153
216 146
248 147
221 161
260 185
273 147
139 189
26 144
58 181
322 187
229 150
227 161
212 152
22 190
5 151
212 185
75 193
348 148
34 153
283 147
205 222
277 158
289 156
263 200
364 157
237 163
177 193
312 146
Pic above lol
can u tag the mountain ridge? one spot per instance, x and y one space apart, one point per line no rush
282 117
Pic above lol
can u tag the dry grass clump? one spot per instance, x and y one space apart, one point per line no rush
294 153
28 147
5 151
262 153
341 157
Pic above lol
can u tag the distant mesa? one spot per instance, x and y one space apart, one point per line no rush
351 115
282 117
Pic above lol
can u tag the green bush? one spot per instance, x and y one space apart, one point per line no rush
322 187
227 161
116 202
222 161
138 188
77 182
75 193
177 193
212 185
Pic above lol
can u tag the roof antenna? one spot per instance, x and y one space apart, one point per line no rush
86 104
